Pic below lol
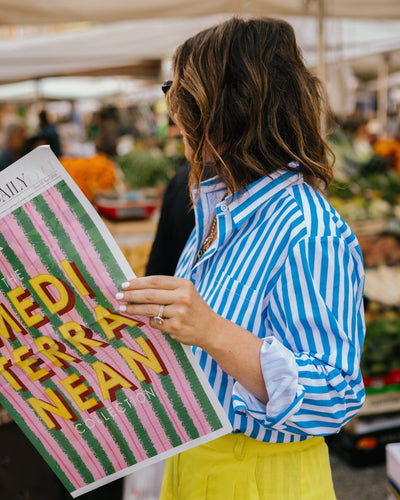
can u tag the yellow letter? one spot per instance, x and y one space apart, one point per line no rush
9 325
110 380
135 360
45 410
80 337
55 351
25 307
78 391
73 273
24 359
12 379
112 323
61 305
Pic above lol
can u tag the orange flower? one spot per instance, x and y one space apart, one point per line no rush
93 174
384 147
389 148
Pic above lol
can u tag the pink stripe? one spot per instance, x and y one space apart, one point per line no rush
101 430
23 249
179 380
81 241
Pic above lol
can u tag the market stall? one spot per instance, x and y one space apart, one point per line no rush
368 196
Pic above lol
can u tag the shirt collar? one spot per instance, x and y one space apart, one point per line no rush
248 200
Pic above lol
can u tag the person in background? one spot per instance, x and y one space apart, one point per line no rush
107 139
268 291
49 131
14 144
35 141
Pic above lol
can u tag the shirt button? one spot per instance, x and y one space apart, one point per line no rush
224 208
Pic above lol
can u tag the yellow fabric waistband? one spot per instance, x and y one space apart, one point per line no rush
238 441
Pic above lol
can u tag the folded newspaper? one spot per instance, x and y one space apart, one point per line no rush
100 394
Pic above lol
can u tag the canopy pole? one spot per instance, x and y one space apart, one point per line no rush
321 41
38 91
321 69
383 91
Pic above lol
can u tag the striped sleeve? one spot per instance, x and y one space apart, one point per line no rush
310 360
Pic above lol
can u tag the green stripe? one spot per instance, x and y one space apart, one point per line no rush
164 420
92 232
195 384
140 431
180 409
64 242
69 450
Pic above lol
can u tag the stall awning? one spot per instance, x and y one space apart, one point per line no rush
104 11
137 47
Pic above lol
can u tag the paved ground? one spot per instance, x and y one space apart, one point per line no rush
358 483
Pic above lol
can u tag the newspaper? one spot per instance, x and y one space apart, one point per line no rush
100 394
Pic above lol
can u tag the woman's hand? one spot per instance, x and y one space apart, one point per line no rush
188 319
186 316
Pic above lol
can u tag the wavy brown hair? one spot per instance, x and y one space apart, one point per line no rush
242 93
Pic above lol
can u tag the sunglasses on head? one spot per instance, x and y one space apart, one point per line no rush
166 86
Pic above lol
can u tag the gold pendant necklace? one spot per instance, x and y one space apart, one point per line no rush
207 242
210 238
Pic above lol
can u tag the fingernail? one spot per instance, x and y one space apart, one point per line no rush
125 284
119 296
122 308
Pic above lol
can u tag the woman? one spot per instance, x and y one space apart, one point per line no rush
268 290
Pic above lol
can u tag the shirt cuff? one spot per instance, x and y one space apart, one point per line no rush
285 394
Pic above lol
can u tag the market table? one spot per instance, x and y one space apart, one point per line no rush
135 238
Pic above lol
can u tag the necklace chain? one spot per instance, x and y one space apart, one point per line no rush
207 242
210 238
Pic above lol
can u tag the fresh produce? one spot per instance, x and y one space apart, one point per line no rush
367 182
380 360
143 169
92 174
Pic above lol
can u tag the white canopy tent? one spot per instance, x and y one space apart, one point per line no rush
123 44
41 12
104 11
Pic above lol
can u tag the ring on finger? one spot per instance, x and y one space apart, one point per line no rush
159 319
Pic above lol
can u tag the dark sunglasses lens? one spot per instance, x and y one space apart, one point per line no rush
166 86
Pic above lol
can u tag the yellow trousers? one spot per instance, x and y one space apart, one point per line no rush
236 467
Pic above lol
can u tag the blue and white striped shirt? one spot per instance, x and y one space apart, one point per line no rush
286 267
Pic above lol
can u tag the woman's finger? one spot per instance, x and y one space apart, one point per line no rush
149 310
146 296
153 282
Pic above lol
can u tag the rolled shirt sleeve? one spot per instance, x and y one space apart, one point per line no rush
315 328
